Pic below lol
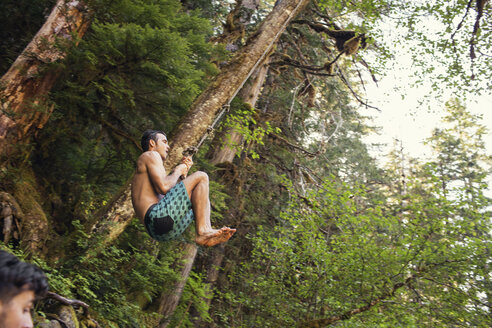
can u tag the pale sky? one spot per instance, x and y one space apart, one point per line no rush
404 119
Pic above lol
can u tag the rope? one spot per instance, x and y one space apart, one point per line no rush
190 151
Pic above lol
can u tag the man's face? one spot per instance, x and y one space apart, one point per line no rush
160 145
16 313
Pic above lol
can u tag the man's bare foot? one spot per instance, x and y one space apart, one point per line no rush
215 237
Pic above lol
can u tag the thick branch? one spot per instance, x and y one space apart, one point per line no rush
67 301
316 26
295 63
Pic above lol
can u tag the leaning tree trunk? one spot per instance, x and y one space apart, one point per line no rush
116 217
28 81
224 87
169 300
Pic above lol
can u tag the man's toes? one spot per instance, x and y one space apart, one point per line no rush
230 233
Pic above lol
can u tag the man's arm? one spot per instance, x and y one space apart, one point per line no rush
157 174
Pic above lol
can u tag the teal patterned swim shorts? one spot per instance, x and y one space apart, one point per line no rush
169 218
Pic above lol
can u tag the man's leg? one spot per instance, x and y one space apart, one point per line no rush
198 189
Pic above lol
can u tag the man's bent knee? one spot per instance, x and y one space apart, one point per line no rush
194 180
200 175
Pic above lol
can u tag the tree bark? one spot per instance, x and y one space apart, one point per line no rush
236 22
204 109
169 301
28 81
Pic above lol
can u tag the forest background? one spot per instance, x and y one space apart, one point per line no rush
326 235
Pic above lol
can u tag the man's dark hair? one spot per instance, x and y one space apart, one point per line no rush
17 276
149 135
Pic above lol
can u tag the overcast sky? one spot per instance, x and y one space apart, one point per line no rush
403 118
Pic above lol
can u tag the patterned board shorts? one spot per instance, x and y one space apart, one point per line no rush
170 217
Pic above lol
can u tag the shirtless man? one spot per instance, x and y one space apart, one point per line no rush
166 205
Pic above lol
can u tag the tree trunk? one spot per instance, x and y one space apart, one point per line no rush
224 87
249 95
236 22
28 81
169 301
204 109
22 210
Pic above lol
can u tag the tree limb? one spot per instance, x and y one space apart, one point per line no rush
480 7
317 11
345 81
295 63
307 152
67 301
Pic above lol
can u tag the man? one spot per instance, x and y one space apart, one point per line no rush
166 205
20 284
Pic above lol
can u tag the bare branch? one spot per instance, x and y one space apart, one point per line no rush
337 126
480 6
67 301
310 154
366 65
317 11
295 63
460 25
345 81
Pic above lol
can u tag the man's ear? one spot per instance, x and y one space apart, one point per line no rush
152 143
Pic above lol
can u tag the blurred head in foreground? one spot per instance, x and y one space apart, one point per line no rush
20 284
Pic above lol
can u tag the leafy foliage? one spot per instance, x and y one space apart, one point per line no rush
242 120
117 83
337 255
325 236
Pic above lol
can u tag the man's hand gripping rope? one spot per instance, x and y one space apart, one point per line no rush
188 160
